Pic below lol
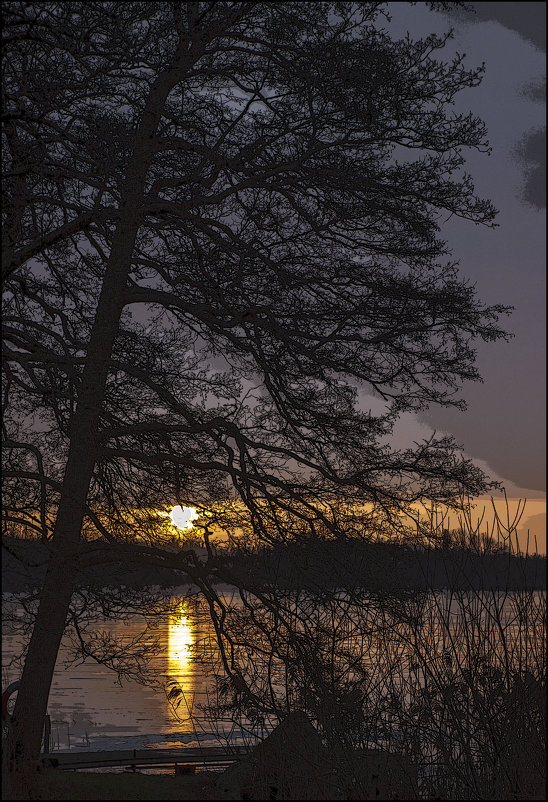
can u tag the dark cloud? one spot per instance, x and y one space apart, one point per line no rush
505 424
530 152
527 19
536 91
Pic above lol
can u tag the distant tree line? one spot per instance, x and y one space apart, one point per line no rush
321 566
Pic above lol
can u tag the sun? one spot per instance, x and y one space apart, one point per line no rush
182 517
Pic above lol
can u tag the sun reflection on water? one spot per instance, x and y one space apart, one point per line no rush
181 678
180 641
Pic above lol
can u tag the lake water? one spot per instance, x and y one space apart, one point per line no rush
89 709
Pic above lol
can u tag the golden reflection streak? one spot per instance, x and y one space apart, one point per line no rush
180 641
181 638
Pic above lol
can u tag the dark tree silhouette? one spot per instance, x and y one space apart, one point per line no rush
221 222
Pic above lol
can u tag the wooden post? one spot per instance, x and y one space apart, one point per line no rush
47 734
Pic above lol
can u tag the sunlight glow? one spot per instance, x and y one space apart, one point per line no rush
182 517
181 638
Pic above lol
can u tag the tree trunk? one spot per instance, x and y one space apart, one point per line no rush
32 698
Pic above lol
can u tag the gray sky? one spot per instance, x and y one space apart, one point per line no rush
504 428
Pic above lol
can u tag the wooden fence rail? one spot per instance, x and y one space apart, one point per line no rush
132 758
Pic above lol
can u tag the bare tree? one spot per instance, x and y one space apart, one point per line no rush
222 223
